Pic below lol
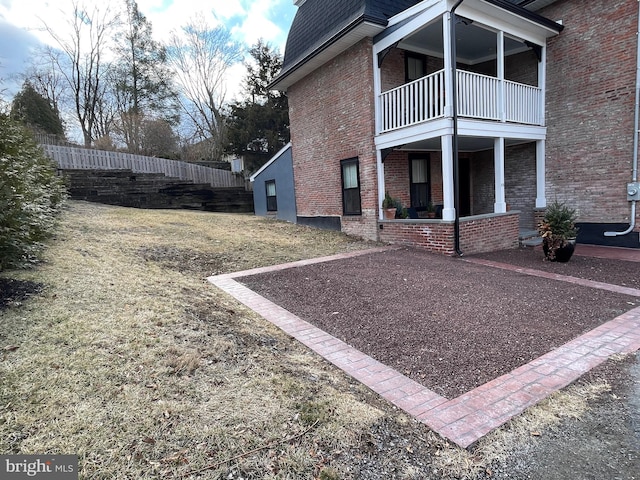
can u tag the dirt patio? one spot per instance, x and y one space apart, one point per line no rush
455 326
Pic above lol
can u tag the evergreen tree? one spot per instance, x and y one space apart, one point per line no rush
142 80
32 109
31 196
260 123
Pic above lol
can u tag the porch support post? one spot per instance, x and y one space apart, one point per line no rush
380 170
448 211
542 83
541 197
500 205
377 91
448 81
502 107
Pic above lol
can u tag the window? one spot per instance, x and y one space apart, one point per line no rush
415 66
350 187
419 176
272 203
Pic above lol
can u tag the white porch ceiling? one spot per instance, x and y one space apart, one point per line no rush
473 44
465 144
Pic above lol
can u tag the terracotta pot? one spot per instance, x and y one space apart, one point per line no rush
389 213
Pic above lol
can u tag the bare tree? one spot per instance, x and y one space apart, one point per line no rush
201 56
46 78
82 63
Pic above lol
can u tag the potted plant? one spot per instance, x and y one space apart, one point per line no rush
431 210
558 231
389 207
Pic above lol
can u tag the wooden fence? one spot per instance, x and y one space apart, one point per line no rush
84 158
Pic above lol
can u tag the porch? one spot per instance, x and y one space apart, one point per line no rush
479 97
460 123
478 233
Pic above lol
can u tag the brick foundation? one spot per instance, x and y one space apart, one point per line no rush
482 233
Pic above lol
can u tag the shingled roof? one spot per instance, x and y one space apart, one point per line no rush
320 23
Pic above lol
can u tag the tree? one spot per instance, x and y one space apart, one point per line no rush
82 63
159 139
260 123
35 111
202 56
31 195
142 80
45 77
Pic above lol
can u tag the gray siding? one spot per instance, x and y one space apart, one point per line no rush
280 169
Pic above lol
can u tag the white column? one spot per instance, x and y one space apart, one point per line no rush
380 169
500 205
448 81
449 211
377 91
502 107
541 199
542 84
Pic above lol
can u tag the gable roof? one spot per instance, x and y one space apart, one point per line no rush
281 152
320 25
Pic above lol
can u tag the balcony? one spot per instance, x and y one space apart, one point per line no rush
479 97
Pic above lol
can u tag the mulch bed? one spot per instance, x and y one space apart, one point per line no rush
444 322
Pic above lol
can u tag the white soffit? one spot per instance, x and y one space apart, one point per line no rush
499 19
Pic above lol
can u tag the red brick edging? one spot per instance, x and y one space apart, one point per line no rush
467 418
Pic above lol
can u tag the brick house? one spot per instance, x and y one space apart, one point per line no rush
537 106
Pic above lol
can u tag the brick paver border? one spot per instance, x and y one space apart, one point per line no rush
467 418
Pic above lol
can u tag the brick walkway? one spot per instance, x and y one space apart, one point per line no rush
464 419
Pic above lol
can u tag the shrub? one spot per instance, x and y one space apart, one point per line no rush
558 228
30 196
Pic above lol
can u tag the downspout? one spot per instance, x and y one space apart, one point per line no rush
636 125
454 97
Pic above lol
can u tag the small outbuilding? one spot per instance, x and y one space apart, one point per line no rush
273 187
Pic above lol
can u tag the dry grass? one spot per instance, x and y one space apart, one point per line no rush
495 448
130 359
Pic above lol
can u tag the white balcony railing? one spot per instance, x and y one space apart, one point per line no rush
412 103
479 96
523 103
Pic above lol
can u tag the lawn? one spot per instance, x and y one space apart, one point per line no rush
130 359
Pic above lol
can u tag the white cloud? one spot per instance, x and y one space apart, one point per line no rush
226 9
248 20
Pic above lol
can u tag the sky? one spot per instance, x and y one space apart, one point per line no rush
22 27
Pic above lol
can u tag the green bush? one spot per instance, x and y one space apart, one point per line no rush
30 196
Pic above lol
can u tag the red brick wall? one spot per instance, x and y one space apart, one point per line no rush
522 68
437 194
434 236
489 234
483 189
477 235
520 181
396 176
591 69
332 118
392 71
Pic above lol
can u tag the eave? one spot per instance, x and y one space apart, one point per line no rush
325 51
